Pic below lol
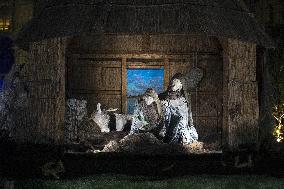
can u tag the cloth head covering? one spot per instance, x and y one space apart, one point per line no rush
152 93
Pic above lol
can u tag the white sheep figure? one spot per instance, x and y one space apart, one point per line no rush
102 119
121 120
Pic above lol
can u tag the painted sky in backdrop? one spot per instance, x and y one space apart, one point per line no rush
138 80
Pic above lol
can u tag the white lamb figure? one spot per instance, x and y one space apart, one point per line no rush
121 120
101 118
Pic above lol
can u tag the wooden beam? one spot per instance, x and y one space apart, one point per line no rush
133 55
102 92
240 94
145 66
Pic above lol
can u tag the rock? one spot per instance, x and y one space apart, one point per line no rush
76 113
87 129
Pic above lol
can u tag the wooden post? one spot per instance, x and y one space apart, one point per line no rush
167 73
123 86
46 86
241 108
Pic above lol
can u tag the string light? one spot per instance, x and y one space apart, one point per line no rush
278 114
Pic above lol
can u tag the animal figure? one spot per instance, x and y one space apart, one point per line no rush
121 120
103 118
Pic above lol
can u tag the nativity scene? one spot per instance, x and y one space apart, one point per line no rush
163 118
138 77
141 92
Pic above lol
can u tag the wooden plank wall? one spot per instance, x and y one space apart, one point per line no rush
44 123
241 108
95 80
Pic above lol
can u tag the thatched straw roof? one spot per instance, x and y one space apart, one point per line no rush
220 18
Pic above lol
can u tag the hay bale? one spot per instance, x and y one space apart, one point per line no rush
142 143
195 147
87 129
112 146
147 143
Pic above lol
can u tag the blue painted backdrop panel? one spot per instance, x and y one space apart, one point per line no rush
138 80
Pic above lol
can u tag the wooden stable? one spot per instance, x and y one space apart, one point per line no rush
94 68
83 49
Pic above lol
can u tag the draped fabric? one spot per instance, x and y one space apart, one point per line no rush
177 130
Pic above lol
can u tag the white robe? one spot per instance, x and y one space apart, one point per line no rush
176 127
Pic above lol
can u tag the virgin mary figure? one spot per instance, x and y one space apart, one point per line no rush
178 123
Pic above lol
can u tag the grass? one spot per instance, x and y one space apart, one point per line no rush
135 182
